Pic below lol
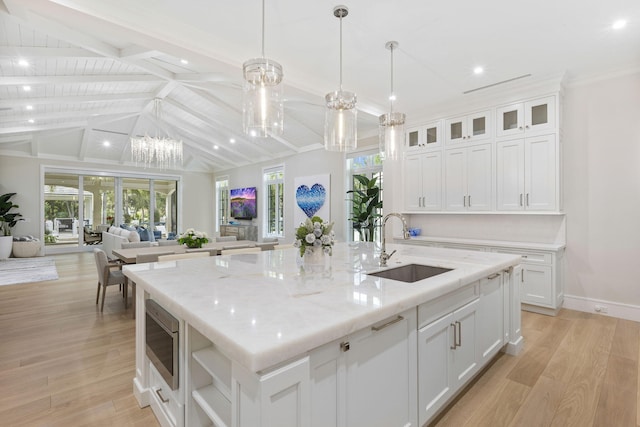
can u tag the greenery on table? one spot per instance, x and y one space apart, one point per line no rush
315 234
193 238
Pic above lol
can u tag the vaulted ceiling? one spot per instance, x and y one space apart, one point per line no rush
95 68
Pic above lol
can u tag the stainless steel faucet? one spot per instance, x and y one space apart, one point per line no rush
405 234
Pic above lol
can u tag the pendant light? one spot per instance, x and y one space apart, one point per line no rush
262 101
340 126
391 124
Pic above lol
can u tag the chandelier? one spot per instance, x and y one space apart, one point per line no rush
161 152
340 126
262 101
391 124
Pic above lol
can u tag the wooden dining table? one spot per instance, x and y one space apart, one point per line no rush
128 256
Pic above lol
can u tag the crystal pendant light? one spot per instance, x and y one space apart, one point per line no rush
391 124
262 100
340 126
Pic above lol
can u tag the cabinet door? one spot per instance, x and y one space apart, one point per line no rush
540 173
455 180
456 130
378 375
479 182
537 285
510 175
413 183
479 126
413 139
539 115
432 135
464 357
434 385
432 181
285 396
510 120
491 315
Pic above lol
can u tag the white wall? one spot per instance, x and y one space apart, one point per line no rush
21 175
602 189
305 164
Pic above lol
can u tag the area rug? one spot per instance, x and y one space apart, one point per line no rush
27 270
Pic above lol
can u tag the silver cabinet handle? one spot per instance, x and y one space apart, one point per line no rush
344 346
159 393
493 276
527 199
455 337
520 128
520 199
469 202
464 201
459 343
389 323
522 276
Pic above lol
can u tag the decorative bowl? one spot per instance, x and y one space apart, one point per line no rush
413 232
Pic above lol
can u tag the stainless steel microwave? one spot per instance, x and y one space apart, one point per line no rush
161 338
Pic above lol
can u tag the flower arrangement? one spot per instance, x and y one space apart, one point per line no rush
193 238
314 234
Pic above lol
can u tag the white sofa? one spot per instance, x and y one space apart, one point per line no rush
114 237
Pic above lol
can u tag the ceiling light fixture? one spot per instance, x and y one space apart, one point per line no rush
262 101
29 107
23 63
391 124
106 143
619 24
26 88
478 70
163 152
31 121
340 125
184 61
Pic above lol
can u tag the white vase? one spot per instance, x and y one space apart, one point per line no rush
6 243
314 257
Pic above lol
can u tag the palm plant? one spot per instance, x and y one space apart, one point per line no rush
366 206
8 220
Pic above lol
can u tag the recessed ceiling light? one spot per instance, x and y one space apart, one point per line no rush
31 121
106 143
215 147
26 88
392 97
29 107
23 63
232 140
619 24
184 61
478 70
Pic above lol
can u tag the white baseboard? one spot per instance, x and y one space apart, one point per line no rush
606 308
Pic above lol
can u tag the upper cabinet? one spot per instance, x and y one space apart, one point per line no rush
427 136
469 128
529 117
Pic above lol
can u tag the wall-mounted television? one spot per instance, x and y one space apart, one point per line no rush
243 203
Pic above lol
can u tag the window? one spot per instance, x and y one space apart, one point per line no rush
273 179
222 201
369 165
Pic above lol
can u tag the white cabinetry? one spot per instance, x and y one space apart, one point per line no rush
491 335
527 174
367 378
468 128
421 137
423 181
468 183
529 117
447 357
541 279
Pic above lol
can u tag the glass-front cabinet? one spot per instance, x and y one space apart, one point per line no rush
469 128
427 136
535 116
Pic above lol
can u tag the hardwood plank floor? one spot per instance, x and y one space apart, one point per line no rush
63 363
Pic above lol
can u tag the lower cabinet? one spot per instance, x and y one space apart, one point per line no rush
491 336
368 378
447 358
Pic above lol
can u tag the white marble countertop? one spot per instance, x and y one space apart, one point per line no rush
262 309
554 247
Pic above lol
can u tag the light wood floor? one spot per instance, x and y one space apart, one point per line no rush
63 363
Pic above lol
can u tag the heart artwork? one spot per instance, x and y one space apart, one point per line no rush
311 199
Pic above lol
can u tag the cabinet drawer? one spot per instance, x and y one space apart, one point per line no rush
529 256
165 399
462 246
432 310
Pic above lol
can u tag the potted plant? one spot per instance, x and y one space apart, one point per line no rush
366 206
8 220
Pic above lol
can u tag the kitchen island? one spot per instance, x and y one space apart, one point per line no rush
269 339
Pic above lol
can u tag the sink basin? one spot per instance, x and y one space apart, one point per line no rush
410 273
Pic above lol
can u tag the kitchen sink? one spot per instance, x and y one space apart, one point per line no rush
410 273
